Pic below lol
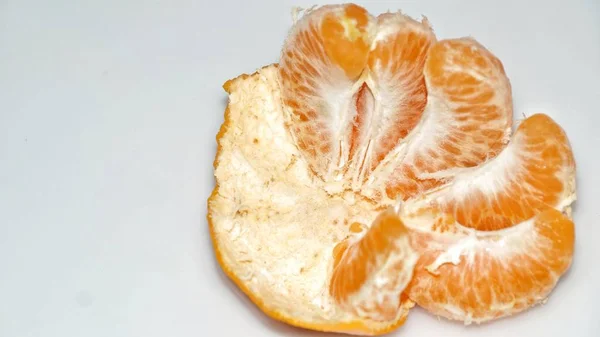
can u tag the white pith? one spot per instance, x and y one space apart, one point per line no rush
274 222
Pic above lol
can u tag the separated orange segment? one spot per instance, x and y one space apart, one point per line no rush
536 171
370 274
466 121
321 60
494 274
397 85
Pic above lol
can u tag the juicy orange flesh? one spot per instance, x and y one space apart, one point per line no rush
402 55
346 40
351 271
544 152
314 139
354 264
489 286
454 69
339 38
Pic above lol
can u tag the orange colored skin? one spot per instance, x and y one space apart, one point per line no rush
352 270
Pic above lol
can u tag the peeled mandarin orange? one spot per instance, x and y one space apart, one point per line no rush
369 170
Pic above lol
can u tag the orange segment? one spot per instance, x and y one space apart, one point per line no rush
370 274
396 80
466 121
321 60
537 170
493 274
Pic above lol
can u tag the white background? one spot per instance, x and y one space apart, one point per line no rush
108 115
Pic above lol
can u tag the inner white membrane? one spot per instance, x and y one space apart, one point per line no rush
275 223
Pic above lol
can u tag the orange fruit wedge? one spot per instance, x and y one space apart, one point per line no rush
369 274
476 276
371 169
467 119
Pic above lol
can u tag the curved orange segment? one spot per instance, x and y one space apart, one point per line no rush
321 61
397 86
535 171
370 274
495 274
467 119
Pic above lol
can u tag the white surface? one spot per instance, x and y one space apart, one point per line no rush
108 114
